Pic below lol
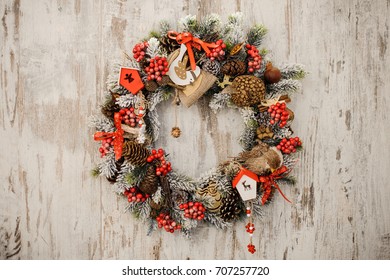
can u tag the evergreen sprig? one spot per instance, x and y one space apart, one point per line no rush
256 35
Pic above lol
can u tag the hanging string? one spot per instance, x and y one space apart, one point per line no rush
176 132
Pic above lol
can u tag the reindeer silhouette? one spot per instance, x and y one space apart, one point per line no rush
247 187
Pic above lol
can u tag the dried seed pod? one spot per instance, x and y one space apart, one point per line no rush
247 90
176 132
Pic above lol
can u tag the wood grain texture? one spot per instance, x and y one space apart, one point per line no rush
55 58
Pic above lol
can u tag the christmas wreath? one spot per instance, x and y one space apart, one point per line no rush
201 58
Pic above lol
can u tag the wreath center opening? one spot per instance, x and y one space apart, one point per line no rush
207 138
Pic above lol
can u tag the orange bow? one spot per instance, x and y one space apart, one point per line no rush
117 135
269 182
190 41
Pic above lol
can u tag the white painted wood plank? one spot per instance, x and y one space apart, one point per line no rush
55 58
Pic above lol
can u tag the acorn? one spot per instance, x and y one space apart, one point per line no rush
272 74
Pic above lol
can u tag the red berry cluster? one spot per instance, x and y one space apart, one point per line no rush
250 228
254 60
278 113
139 51
158 67
130 118
164 166
106 146
217 52
193 210
166 222
289 145
134 196
251 248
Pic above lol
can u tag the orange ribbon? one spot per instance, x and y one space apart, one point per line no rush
117 135
190 41
269 182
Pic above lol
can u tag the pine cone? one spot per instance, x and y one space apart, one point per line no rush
212 66
109 108
169 44
135 153
150 182
231 206
164 80
234 68
247 90
151 86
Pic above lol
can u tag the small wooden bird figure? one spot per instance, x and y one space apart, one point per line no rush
262 159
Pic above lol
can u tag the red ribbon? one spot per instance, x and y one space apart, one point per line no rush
117 135
190 41
269 182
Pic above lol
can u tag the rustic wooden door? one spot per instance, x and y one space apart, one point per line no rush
55 57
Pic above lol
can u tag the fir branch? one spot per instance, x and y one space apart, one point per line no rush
257 206
152 226
157 196
152 125
290 180
135 176
121 183
248 138
143 211
216 175
154 48
280 133
128 100
287 86
101 123
154 34
289 161
233 31
142 137
154 99
216 220
108 166
181 182
256 35
210 24
165 26
188 24
249 116
293 71
219 101
95 172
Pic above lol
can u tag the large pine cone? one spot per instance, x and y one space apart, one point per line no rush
149 184
135 153
231 206
212 67
234 68
169 44
247 90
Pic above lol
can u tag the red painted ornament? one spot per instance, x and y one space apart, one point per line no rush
130 79
117 136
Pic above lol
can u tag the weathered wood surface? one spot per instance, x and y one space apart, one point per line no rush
55 56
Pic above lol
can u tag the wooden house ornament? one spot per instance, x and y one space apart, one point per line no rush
130 79
246 182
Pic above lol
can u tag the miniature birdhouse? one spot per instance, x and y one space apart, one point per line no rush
130 79
246 182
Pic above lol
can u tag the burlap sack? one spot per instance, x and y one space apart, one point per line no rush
191 93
